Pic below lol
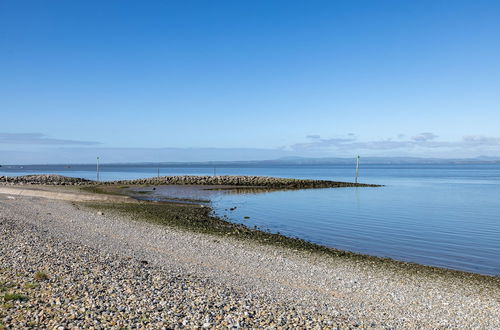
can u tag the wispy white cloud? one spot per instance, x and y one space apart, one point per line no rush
37 148
320 143
478 140
86 155
39 138
422 137
424 140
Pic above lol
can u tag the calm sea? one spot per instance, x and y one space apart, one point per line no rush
439 215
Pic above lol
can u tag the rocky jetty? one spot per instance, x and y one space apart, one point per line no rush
226 180
45 179
240 180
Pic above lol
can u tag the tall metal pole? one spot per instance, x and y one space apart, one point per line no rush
357 168
158 172
97 169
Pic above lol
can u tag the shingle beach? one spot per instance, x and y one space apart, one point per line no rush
64 265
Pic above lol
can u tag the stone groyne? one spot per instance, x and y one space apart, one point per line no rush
226 180
239 180
44 179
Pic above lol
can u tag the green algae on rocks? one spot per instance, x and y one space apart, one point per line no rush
199 218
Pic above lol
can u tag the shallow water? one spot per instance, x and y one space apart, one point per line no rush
440 215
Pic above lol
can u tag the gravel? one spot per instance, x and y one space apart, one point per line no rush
105 270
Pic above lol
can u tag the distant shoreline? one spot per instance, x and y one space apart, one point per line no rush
286 161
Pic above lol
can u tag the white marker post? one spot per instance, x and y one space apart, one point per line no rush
97 169
357 169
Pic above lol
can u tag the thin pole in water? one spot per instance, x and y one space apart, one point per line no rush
357 169
158 172
97 169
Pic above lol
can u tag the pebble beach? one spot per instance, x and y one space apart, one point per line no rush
66 265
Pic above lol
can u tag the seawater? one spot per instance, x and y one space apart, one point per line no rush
438 215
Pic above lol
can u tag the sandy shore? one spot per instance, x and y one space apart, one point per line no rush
108 270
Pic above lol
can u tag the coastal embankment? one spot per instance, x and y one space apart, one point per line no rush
111 265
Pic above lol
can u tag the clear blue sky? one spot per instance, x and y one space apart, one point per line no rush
200 80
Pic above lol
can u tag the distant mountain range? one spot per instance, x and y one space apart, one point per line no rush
388 160
340 161
296 161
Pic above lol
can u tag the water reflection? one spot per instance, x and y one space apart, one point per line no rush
193 193
453 225
444 215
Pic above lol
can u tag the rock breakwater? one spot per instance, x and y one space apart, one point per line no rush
45 179
227 180
241 180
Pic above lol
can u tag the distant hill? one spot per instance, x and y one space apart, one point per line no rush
341 161
286 161
387 160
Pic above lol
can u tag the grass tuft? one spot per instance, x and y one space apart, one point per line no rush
41 276
4 286
30 285
14 297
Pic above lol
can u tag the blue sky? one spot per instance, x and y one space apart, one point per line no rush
234 80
